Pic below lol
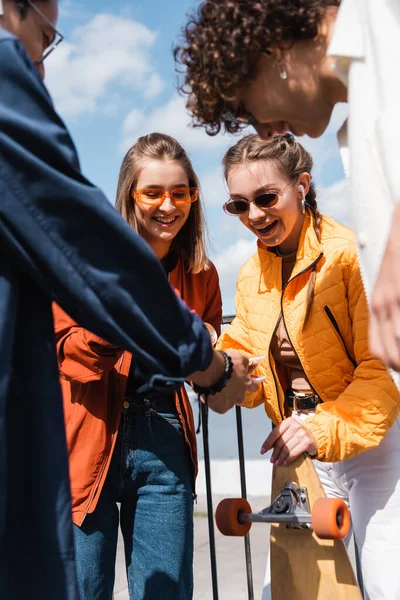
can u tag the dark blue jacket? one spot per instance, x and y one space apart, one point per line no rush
60 239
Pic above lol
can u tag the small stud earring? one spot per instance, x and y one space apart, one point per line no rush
282 69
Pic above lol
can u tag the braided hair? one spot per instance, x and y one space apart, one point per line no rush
292 159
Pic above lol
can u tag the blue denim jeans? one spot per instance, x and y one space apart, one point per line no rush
151 476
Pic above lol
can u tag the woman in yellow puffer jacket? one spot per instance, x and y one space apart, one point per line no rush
300 302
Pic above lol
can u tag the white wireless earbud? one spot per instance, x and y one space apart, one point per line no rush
300 187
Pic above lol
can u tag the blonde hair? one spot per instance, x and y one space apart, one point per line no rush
190 242
291 159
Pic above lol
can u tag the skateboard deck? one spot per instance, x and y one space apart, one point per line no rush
303 566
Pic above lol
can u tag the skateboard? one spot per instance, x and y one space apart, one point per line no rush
310 563
308 558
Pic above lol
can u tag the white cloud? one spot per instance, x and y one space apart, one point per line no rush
339 115
325 150
233 257
214 188
334 201
106 52
66 9
228 264
154 86
173 119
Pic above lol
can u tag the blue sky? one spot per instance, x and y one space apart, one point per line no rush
113 78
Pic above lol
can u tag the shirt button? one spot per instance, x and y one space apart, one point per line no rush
362 239
126 404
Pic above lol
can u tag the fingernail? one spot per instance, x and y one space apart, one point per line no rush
254 359
276 463
263 450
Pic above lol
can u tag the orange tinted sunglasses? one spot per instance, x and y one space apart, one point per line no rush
154 196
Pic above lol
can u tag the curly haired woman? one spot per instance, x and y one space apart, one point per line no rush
300 300
282 66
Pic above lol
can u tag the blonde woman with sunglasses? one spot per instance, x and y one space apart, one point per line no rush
300 302
125 447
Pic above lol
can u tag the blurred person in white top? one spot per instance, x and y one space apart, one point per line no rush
283 68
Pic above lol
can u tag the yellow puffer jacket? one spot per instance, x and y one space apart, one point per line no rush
360 400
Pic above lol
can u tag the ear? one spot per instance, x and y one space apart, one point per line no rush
272 57
276 53
304 180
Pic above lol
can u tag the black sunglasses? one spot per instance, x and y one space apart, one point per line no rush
238 206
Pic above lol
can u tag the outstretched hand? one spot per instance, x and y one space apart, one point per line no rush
289 439
384 331
239 384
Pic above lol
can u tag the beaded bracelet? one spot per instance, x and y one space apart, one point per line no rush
221 382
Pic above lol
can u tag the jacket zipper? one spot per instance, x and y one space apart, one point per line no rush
283 316
332 319
96 486
272 371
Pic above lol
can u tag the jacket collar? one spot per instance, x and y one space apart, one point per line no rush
308 252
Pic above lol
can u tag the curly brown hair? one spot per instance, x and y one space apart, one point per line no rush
222 43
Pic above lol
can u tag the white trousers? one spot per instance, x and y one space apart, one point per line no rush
370 485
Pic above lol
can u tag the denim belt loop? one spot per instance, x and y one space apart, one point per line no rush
147 407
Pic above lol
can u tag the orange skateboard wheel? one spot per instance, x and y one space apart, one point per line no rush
227 513
330 519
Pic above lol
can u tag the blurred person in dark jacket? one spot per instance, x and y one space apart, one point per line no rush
53 224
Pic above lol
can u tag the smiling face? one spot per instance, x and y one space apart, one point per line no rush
281 224
35 32
159 225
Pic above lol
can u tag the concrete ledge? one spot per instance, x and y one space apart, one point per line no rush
225 478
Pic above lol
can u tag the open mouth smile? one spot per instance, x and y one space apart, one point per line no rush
167 221
268 229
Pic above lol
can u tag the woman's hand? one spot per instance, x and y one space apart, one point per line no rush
289 439
237 386
241 382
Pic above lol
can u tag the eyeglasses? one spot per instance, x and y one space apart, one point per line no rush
241 117
57 36
239 206
179 196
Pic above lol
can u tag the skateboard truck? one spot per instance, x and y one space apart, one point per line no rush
291 506
329 517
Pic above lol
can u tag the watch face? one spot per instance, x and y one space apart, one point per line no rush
212 332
